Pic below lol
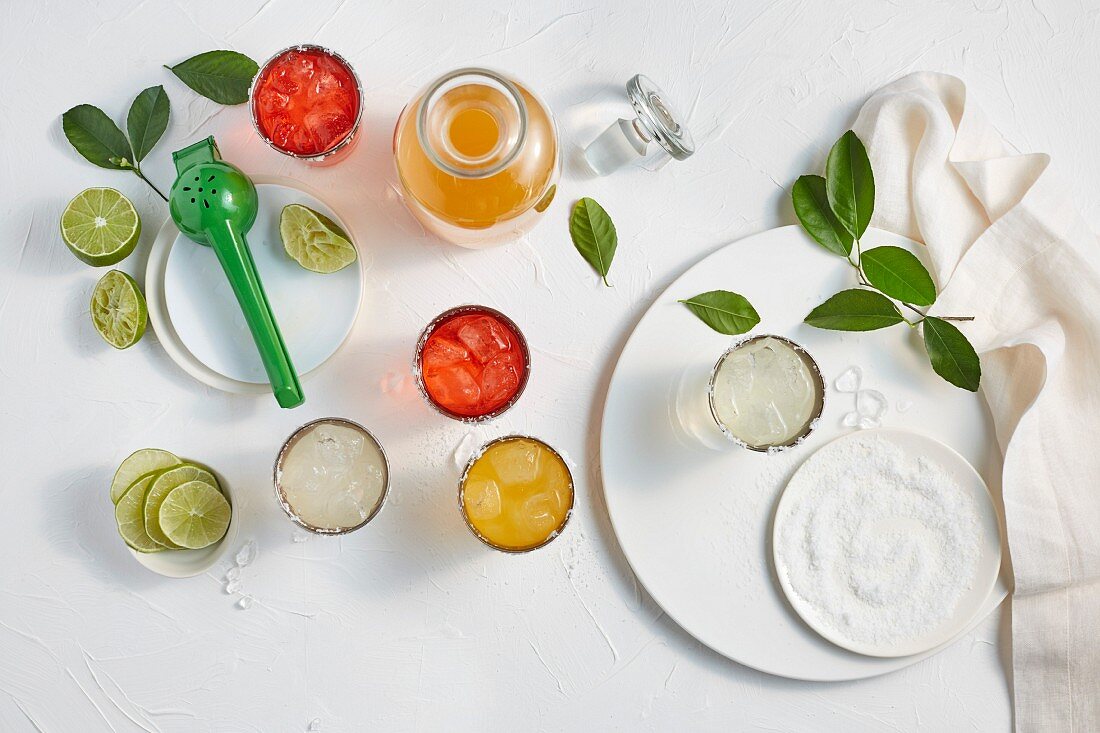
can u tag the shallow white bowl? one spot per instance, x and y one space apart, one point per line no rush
188 563
979 585
199 323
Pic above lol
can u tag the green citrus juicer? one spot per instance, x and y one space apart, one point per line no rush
214 203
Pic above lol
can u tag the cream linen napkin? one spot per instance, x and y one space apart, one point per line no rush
1008 248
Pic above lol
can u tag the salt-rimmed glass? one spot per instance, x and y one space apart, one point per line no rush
280 494
339 150
418 370
819 399
462 495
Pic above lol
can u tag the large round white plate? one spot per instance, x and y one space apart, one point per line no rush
199 321
693 516
987 530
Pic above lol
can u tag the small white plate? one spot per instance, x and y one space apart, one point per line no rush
199 321
980 584
188 563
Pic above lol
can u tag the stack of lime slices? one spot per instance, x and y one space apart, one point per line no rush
165 503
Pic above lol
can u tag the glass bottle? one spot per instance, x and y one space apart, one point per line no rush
478 156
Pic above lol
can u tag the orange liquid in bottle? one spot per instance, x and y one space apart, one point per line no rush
475 165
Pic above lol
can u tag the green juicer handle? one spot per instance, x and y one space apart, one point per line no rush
232 250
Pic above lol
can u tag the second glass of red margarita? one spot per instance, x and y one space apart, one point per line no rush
307 102
472 363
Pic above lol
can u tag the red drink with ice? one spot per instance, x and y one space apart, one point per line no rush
306 102
472 363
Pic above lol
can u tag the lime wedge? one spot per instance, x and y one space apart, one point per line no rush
137 465
316 242
118 310
158 492
131 520
194 515
100 226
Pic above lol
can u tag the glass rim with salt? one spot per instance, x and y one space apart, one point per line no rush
280 462
478 454
819 397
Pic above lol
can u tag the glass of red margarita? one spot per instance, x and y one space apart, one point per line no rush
307 102
472 363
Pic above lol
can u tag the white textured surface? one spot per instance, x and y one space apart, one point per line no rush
412 623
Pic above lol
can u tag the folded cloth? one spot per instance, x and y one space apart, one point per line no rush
1008 248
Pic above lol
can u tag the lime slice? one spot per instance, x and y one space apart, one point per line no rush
100 226
158 492
195 515
316 242
131 520
118 310
137 465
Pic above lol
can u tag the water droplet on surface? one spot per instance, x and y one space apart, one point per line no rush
314 725
246 554
849 380
233 573
866 423
244 603
233 586
904 405
850 420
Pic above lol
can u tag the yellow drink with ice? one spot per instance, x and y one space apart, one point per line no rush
516 494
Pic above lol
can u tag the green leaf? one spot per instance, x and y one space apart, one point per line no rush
811 206
223 76
855 310
147 121
952 356
593 235
96 137
850 184
725 312
899 274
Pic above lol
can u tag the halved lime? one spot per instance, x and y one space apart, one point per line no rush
131 520
100 226
158 492
195 515
136 465
316 242
118 310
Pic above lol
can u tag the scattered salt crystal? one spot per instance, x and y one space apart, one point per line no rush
849 380
244 603
299 536
246 554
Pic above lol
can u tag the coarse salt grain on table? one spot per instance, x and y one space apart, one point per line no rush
882 545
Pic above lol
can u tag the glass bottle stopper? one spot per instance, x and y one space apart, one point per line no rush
625 141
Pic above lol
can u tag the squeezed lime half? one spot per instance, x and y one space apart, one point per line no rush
118 310
136 465
194 515
158 492
315 242
100 226
130 518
